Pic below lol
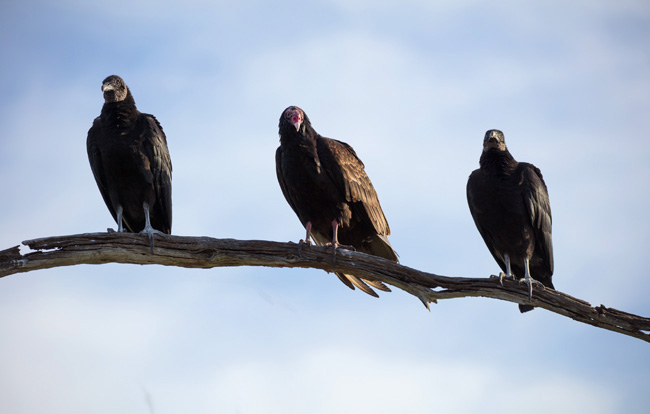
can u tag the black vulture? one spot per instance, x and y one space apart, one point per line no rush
510 206
129 158
325 184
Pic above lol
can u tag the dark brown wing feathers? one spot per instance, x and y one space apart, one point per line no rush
347 170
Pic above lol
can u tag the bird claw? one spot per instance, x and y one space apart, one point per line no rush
302 243
342 246
334 256
501 277
530 282
336 246
150 232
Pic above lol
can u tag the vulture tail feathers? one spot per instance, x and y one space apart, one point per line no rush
379 246
351 281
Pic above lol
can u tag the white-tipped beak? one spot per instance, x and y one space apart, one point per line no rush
296 121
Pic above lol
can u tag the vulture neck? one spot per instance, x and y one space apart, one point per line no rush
498 162
122 113
305 137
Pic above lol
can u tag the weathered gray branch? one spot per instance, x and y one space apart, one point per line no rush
207 252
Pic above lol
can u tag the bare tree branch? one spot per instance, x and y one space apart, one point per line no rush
207 252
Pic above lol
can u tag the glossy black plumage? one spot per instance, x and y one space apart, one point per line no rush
129 158
510 206
324 181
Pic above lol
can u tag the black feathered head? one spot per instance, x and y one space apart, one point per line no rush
494 139
114 89
294 119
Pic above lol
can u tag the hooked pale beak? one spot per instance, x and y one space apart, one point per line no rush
296 120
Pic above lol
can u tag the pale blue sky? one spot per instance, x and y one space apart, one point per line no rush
412 86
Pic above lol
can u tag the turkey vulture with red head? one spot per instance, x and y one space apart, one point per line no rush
509 203
129 158
326 185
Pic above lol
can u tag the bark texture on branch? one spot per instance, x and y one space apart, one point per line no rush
207 252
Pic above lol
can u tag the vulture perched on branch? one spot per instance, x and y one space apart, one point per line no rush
509 203
129 158
326 185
